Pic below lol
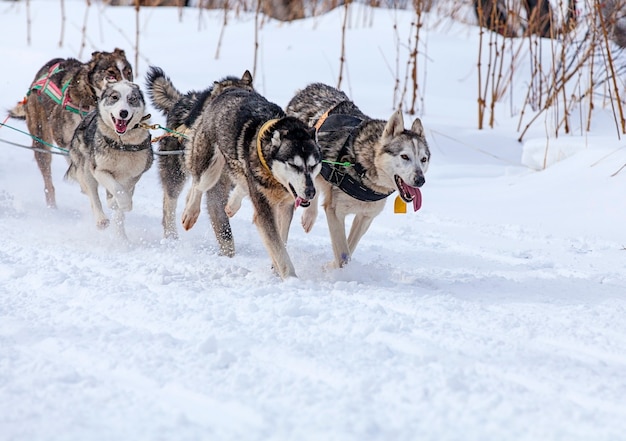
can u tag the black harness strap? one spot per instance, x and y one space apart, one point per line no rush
336 174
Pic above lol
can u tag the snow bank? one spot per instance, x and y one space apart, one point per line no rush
539 154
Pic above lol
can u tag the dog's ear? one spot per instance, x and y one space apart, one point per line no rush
395 125
417 127
119 52
96 55
276 141
247 77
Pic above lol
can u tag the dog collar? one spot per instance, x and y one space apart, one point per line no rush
264 128
115 144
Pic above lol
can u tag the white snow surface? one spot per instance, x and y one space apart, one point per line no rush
496 312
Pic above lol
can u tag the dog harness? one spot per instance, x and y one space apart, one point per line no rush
337 174
59 96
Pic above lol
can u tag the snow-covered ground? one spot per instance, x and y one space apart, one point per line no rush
496 312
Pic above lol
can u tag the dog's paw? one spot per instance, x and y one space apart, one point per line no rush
189 218
231 211
308 220
102 224
124 202
170 234
227 249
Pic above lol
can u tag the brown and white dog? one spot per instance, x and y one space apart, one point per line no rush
63 92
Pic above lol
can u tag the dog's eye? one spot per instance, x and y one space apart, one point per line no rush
405 157
424 160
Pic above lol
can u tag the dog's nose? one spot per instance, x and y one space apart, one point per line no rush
419 180
309 192
123 114
309 189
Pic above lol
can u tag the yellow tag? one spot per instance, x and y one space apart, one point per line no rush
399 206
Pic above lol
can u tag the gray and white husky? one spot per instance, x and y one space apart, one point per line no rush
365 161
270 157
110 148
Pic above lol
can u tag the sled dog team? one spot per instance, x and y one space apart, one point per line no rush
235 143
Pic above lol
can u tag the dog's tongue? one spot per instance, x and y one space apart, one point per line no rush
120 126
298 201
417 196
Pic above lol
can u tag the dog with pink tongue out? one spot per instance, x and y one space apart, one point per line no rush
113 149
365 161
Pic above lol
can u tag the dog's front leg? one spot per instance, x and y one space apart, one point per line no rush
309 215
122 198
120 230
268 229
337 229
284 216
360 225
234 201
202 183
192 207
90 186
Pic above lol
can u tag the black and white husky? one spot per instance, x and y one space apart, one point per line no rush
110 148
269 156
365 161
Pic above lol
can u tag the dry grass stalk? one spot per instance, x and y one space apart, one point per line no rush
62 23
342 57
257 19
611 67
28 22
223 29
83 41
137 34
413 55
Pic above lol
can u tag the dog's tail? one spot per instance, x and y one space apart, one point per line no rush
19 111
161 90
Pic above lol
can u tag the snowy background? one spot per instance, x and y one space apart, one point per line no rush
496 312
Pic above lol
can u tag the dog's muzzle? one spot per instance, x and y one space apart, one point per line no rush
300 201
121 125
409 193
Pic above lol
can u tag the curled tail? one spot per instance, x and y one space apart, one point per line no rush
19 111
161 90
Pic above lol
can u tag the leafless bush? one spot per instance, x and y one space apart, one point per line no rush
584 64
